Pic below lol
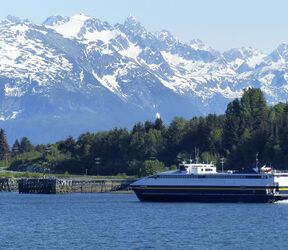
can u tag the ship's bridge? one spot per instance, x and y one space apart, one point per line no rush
198 168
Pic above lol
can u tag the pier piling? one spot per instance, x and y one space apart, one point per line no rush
44 186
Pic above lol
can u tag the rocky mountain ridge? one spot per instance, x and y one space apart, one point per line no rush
76 74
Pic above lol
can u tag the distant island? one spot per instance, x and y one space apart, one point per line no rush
249 127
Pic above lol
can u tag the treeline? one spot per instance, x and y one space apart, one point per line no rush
248 127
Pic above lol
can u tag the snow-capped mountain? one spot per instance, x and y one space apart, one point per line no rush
73 74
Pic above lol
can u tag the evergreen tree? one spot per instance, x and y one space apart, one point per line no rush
67 146
4 148
231 137
159 125
148 125
175 135
254 110
40 148
283 135
25 145
138 128
15 148
248 127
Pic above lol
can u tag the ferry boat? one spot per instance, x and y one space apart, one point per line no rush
199 182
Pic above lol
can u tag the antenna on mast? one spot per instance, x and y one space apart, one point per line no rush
190 160
222 164
256 162
197 155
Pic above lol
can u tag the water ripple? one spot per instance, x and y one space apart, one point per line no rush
109 221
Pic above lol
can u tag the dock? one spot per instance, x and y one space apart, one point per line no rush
8 185
44 186
100 185
85 185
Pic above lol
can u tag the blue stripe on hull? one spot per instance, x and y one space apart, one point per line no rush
283 192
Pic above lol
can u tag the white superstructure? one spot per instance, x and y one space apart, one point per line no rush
202 182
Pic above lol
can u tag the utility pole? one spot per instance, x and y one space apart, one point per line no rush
222 163
97 162
197 155
15 152
256 162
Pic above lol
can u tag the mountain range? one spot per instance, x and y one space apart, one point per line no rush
75 74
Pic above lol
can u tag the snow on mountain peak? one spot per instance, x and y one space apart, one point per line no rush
25 57
165 35
196 41
80 17
198 44
54 20
281 53
133 25
131 19
244 58
13 19
16 20
125 61
68 27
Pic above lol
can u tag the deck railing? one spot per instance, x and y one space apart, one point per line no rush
280 171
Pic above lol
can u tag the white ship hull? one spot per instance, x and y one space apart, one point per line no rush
218 187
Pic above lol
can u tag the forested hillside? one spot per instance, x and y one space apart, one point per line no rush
249 126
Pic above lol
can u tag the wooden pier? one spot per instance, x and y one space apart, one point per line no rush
8 185
55 186
44 186
100 185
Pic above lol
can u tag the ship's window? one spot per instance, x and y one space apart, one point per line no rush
253 177
182 168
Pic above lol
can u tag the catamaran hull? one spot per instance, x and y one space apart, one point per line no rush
192 194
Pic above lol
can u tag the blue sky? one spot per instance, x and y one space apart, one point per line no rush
222 24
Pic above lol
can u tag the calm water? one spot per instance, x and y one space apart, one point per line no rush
120 221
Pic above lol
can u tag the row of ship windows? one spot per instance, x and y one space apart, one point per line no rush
211 176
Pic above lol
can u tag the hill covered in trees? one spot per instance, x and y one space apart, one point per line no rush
249 126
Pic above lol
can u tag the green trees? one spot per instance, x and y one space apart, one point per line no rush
150 167
231 133
253 110
25 145
15 148
67 146
175 139
248 127
4 148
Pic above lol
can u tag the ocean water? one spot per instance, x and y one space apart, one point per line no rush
120 221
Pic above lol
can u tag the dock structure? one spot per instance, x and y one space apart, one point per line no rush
44 186
8 185
56 186
99 185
